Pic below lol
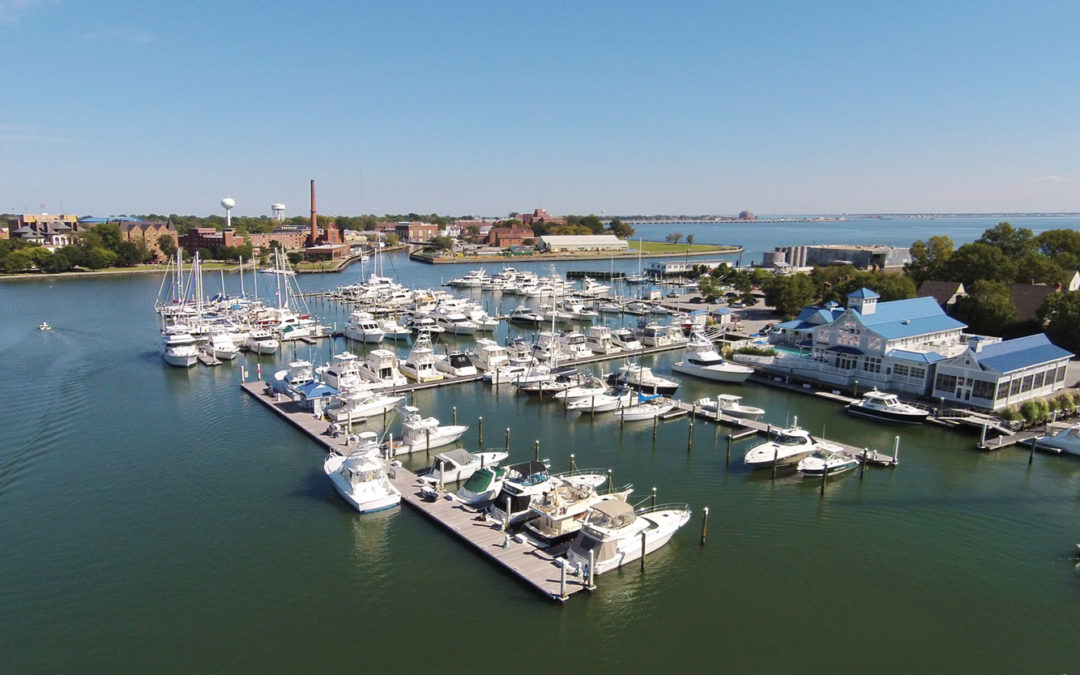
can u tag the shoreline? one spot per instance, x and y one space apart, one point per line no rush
558 257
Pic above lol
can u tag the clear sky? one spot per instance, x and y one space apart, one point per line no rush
482 108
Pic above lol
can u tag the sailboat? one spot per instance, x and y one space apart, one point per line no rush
638 278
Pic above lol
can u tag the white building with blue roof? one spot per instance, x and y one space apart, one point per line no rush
904 345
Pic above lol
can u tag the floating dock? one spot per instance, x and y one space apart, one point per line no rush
535 567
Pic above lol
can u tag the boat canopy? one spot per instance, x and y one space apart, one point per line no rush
614 513
458 456
529 468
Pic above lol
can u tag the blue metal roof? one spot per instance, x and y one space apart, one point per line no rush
908 318
863 293
918 357
316 389
1010 355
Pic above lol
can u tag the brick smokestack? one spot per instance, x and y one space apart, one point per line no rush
314 219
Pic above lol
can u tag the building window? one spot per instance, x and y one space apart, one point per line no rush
1061 374
871 364
945 382
1014 388
901 371
1026 383
983 389
1039 380
1002 391
918 373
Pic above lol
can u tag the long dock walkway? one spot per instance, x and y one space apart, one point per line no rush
535 567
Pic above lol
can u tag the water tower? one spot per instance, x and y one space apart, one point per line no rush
278 210
228 203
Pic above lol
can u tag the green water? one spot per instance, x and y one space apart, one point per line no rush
153 518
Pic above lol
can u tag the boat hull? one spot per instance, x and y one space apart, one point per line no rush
729 375
886 416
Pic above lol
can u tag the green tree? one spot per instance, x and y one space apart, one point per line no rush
390 239
473 232
442 243
1014 243
110 235
595 225
16 261
673 238
129 253
987 308
710 287
1056 242
99 257
167 244
57 263
1060 312
690 239
788 294
620 229
294 257
977 261
928 259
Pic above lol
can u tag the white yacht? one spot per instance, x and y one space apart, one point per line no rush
297 373
526 316
362 478
394 330
363 327
358 404
261 341
593 386
453 322
826 462
646 408
490 354
599 341
785 447
419 433
522 483
624 339
654 335
179 349
880 405
1066 441
419 365
457 465
223 347
472 279
591 288
573 345
382 369
343 373
609 400
702 360
612 534
44 325
642 377
728 404
561 511
457 364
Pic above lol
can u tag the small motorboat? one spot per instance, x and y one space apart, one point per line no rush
825 462
647 408
44 325
887 407
729 404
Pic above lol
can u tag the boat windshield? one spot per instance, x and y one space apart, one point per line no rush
782 438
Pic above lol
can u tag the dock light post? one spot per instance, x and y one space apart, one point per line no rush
704 524
856 389
480 426
454 412
508 439
572 464
654 498
536 452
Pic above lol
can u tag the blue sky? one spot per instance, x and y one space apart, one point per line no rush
578 107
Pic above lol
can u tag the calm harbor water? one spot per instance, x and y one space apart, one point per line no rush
157 518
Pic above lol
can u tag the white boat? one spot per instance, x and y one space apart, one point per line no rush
702 360
612 531
362 479
609 307
457 364
642 378
729 404
286 381
419 365
382 369
541 383
454 323
481 487
1066 441
343 373
393 330
358 404
599 341
424 324
573 345
363 327
785 447
654 335
593 386
223 346
522 483
419 433
561 511
887 407
44 325
819 462
646 408
591 288
261 341
490 354
624 339
610 399
472 279
508 374
457 465
179 349
526 316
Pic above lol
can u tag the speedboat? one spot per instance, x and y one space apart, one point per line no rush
702 360
455 323
481 487
1065 441
642 378
826 462
457 364
612 531
785 447
261 341
44 325
419 365
554 382
594 386
528 482
730 405
526 316
424 433
457 465
606 401
362 478
880 405
179 349
561 511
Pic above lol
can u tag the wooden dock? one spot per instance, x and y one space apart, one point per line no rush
531 565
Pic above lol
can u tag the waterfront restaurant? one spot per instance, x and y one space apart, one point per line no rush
913 347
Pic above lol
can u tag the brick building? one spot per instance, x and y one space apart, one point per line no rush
49 230
290 240
147 233
209 237
416 231
541 216
505 237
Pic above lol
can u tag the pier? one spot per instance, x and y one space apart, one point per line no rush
536 567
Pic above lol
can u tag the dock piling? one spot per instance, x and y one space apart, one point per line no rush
508 439
573 465
453 411
536 456
865 459
643 551
480 427
562 582
824 477
704 524
730 440
896 452
1031 457
592 569
654 497
654 423
982 438
609 483
690 441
